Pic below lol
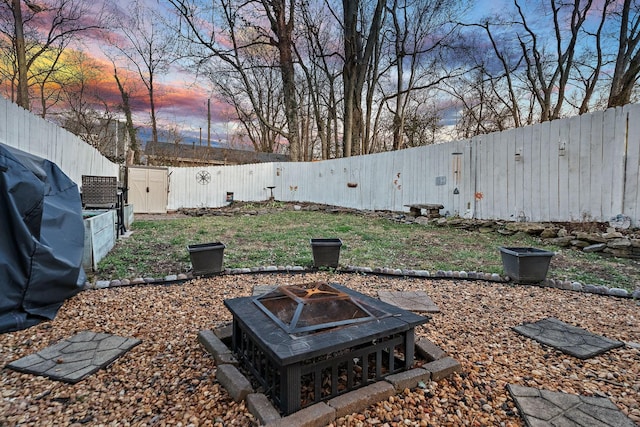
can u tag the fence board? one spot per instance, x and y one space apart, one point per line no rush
631 194
625 124
549 163
554 160
595 172
573 169
608 162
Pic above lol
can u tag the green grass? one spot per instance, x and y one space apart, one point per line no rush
281 237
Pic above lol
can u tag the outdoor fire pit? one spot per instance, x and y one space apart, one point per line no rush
309 343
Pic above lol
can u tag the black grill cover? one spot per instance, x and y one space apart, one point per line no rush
41 239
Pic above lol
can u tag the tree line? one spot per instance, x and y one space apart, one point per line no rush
322 79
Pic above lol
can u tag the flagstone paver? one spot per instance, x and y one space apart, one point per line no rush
417 301
544 408
569 339
74 358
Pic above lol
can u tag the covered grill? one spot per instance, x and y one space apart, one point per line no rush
312 342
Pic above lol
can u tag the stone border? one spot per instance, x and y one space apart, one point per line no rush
439 366
384 271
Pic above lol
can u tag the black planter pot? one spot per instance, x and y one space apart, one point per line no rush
206 258
526 265
326 252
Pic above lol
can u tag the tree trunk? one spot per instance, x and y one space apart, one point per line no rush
289 89
152 108
282 26
19 44
352 48
126 107
357 59
627 69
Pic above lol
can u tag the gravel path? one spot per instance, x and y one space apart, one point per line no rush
170 380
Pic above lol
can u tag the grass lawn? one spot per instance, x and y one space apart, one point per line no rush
280 236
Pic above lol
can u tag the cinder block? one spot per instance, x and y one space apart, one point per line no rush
429 350
408 379
442 368
224 332
216 347
318 415
357 400
236 384
260 407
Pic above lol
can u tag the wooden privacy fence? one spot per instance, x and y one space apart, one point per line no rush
582 168
21 129
577 169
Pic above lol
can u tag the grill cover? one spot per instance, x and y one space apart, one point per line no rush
41 239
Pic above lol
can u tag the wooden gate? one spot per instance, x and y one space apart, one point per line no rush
148 189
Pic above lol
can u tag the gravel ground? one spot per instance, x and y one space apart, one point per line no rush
170 380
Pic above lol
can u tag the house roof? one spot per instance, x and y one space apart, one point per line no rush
193 154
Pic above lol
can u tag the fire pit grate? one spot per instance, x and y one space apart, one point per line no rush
313 307
299 359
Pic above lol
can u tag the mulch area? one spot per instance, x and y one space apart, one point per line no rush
169 379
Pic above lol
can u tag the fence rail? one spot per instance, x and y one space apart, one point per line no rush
584 168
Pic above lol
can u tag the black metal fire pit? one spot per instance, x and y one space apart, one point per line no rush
309 343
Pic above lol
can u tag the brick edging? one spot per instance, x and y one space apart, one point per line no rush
567 285
439 366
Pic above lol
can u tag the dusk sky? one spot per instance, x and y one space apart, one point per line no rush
181 97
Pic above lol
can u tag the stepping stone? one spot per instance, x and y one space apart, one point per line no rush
542 408
75 358
569 339
417 301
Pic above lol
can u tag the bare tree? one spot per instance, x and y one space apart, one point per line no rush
8 68
491 84
548 77
88 113
20 54
317 58
36 28
125 94
419 33
148 48
359 49
235 30
281 14
627 68
47 75
588 65
263 98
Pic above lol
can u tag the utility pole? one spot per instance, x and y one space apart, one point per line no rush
209 122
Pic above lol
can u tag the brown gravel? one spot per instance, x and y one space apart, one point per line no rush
170 380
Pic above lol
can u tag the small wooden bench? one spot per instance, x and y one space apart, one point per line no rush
433 209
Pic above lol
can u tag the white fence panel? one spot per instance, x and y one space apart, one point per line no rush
564 170
25 131
575 169
246 182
